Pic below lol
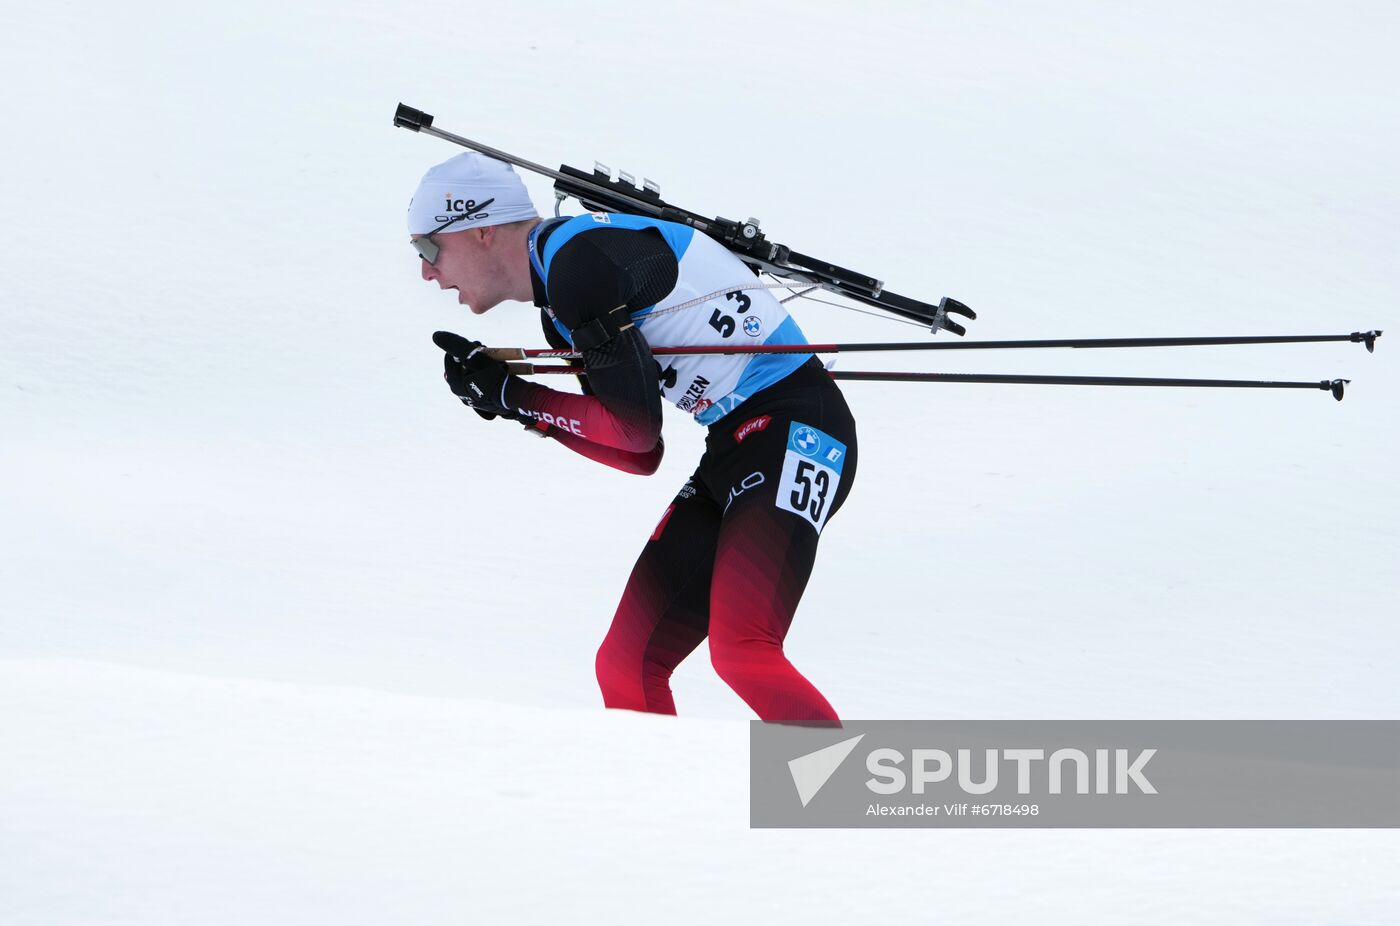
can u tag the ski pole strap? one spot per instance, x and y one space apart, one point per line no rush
601 330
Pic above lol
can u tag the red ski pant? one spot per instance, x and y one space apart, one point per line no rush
730 567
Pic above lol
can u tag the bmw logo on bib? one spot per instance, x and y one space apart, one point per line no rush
753 326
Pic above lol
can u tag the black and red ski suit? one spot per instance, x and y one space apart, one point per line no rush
729 558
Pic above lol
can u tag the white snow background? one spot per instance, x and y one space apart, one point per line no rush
288 636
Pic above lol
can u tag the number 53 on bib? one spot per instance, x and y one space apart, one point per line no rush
811 473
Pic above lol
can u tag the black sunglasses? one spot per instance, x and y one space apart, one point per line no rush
427 248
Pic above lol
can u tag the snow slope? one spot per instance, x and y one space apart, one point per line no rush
285 635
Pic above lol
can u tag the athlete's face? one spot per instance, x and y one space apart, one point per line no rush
471 263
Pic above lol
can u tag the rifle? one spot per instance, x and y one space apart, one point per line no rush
599 191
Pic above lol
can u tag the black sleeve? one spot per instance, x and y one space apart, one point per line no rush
608 267
551 334
556 341
593 274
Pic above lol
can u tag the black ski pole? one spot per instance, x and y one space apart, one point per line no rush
1359 337
1334 386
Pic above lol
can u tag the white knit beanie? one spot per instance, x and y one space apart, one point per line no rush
472 188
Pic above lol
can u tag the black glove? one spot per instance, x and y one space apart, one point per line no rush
475 378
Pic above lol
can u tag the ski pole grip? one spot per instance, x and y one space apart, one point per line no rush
406 117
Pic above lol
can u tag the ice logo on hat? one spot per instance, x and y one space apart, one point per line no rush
458 191
466 210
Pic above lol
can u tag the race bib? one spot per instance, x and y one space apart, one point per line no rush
811 473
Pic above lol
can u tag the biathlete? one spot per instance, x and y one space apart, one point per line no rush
731 555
